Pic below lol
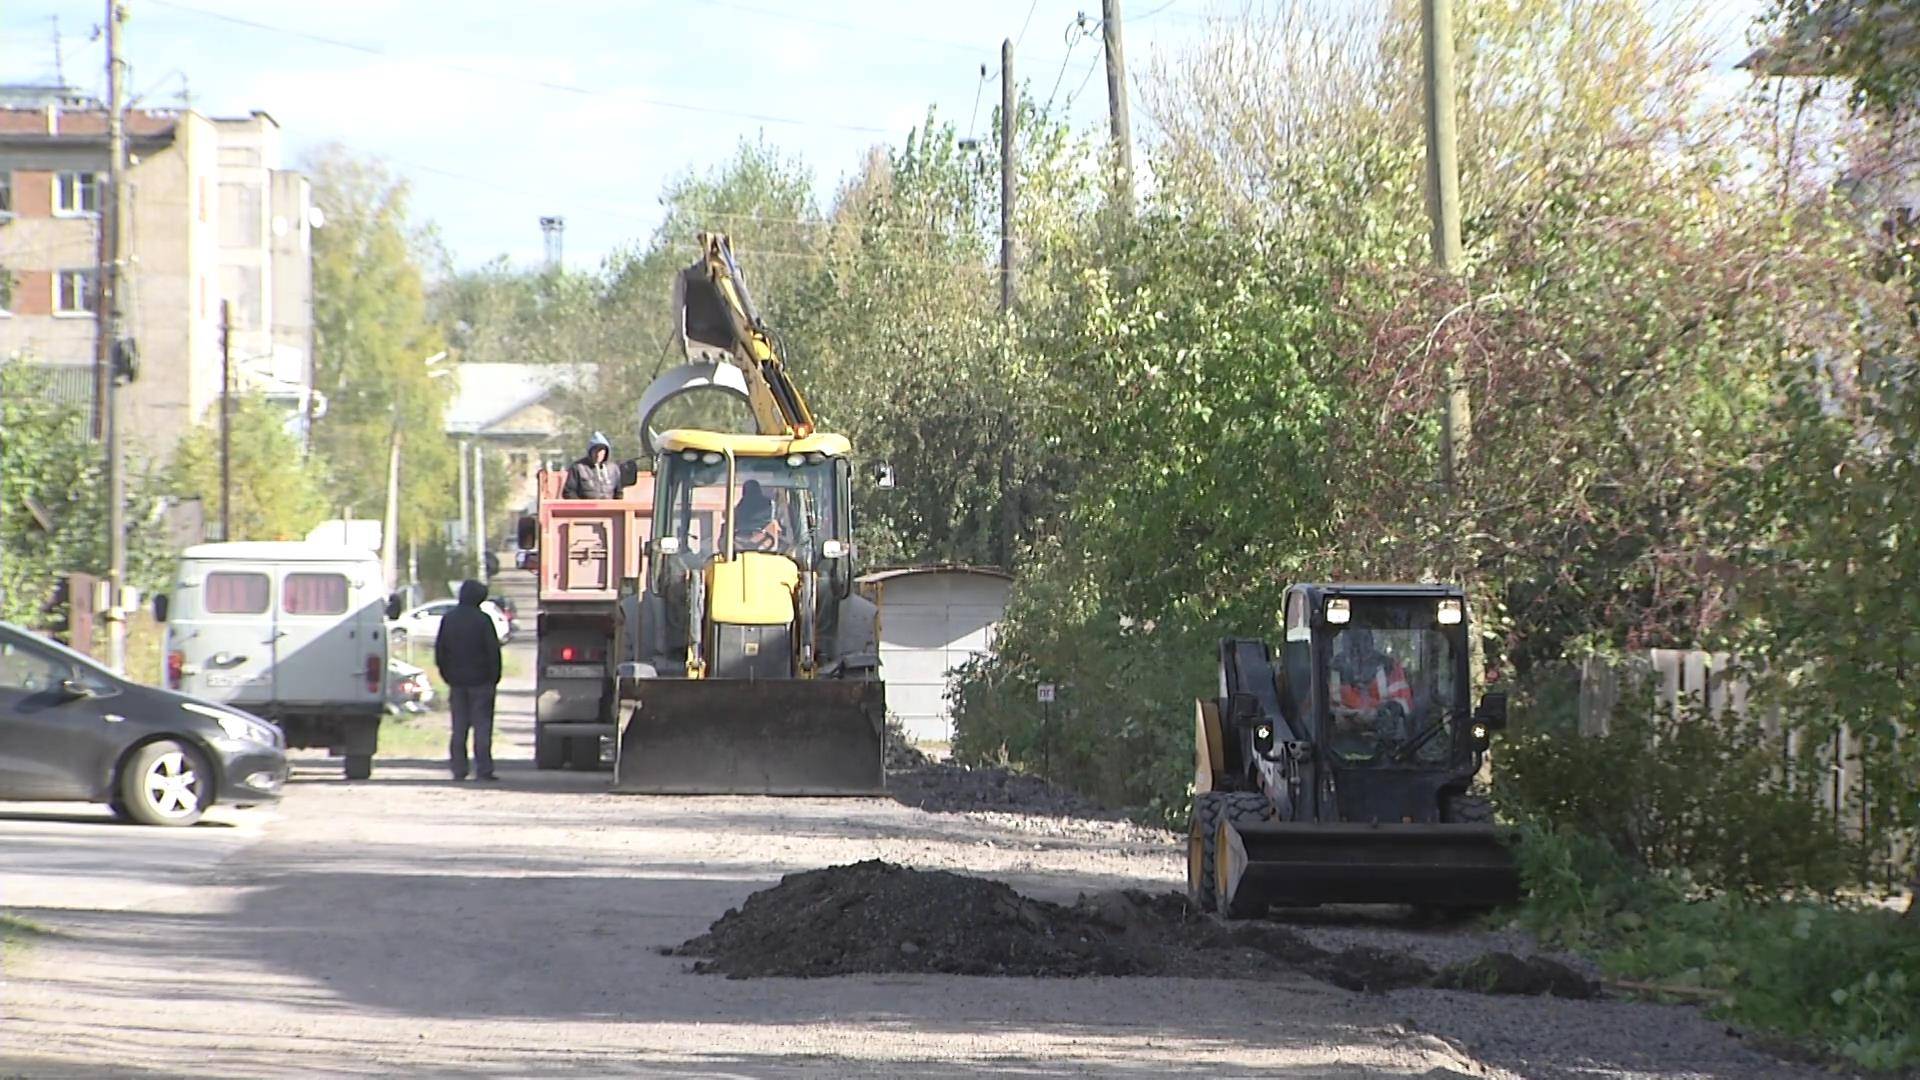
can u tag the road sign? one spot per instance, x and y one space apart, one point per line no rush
1046 693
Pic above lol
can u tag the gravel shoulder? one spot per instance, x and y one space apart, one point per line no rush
410 924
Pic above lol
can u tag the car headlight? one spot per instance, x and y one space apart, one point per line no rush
237 728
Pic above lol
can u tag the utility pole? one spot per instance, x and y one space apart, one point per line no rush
1006 176
111 300
479 511
1117 106
1443 205
226 420
390 526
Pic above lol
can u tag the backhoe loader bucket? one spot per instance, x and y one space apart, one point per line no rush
1284 864
754 737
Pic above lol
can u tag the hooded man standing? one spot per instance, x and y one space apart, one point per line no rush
594 476
467 652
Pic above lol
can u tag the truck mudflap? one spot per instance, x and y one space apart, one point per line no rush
753 737
1282 864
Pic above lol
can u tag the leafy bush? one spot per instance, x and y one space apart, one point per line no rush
1840 976
1702 794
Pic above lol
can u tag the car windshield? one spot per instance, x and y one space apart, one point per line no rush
773 501
1391 677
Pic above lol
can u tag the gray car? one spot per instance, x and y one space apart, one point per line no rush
72 730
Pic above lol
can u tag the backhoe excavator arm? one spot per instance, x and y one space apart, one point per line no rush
718 322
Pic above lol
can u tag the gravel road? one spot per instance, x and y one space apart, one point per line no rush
409 924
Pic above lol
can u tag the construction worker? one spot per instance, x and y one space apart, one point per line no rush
1370 688
754 526
594 476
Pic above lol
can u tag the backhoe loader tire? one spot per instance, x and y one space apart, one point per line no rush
1209 810
1467 810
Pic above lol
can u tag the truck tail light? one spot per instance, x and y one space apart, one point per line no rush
568 654
373 673
176 667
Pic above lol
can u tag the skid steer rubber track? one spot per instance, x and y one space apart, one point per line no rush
754 737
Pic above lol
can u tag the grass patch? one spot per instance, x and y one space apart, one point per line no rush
1841 977
16 934
424 735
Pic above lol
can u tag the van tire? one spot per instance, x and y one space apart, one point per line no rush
583 753
549 751
359 766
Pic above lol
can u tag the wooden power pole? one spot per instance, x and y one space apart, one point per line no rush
113 333
1117 106
1443 205
1006 175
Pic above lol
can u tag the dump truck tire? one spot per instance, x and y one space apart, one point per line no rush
1203 837
1467 810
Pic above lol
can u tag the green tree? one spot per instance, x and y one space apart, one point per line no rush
278 493
372 341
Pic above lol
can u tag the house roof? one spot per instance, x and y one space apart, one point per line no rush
912 571
487 394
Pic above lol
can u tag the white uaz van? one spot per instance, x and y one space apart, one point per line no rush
289 630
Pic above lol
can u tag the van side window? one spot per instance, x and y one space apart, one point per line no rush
230 592
314 594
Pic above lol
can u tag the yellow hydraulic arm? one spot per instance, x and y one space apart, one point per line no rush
717 316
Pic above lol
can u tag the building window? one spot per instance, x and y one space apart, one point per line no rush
6 195
241 286
73 293
240 215
76 193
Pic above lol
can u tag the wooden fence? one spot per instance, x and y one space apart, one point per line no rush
1685 682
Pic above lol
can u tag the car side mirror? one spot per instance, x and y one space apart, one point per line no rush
1493 711
160 607
529 532
395 605
74 689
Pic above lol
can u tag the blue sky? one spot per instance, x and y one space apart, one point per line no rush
500 111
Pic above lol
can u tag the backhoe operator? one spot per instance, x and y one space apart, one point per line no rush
1370 688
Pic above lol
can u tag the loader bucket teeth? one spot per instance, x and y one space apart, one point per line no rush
1275 864
754 737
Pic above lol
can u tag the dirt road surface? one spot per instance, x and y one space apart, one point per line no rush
411 925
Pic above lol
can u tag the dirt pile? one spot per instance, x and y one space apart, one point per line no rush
901 753
943 787
874 917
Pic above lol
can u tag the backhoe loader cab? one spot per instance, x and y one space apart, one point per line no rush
760 666
1336 768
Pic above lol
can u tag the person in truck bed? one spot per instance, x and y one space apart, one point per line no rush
594 476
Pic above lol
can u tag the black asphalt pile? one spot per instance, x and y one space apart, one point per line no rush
901 753
943 787
875 917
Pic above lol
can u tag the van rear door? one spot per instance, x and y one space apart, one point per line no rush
330 636
228 641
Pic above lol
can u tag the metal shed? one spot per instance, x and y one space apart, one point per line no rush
932 620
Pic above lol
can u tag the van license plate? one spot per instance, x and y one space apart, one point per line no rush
234 678
575 671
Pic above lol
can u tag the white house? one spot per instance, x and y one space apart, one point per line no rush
932 620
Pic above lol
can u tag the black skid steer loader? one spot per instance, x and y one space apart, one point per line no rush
1336 769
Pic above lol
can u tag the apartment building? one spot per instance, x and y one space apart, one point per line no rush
214 218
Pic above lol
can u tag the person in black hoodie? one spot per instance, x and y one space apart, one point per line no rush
467 652
595 476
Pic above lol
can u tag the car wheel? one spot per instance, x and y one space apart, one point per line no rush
166 783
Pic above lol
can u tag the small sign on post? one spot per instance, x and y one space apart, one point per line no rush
1046 693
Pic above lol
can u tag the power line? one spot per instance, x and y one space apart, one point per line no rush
497 76
1024 23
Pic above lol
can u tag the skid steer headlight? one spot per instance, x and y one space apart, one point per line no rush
1479 733
1263 737
1338 612
1450 613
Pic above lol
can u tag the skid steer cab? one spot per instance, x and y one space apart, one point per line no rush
1335 769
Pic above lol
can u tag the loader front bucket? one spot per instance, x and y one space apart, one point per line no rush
1283 864
753 737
